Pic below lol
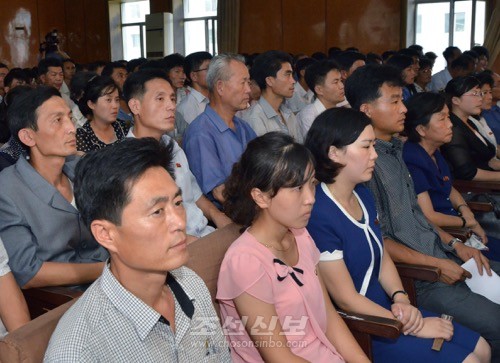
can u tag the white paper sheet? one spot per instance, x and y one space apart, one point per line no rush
488 286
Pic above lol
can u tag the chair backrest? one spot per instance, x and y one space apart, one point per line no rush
28 343
206 255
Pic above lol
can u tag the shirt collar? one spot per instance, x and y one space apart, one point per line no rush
319 106
269 110
218 121
142 316
393 146
198 96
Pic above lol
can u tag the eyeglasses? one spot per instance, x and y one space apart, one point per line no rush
201 70
475 94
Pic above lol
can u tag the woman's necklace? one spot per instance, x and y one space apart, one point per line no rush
275 248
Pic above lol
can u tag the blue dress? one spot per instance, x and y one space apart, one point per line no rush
360 245
436 179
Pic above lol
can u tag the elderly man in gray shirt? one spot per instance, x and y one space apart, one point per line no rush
408 236
146 307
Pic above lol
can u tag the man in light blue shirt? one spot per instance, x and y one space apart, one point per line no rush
216 139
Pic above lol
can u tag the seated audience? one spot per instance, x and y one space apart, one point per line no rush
145 307
358 272
151 98
280 298
15 77
325 81
100 103
470 155
13 309
404 64
441 78
408 236
486 84
483 57
118 72
4 69
302 94
50 73
76 88
69 70
349 61
216 139
492 115
424 75
174 66
42 231
428 127
273 73
196 70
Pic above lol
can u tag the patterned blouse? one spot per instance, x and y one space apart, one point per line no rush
86 139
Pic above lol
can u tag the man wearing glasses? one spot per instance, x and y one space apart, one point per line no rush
195 67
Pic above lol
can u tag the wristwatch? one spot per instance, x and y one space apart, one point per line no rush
453 242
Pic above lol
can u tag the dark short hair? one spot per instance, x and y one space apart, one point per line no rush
22 112
420 108
431 55
78 83
303 64
16 73
425 62
108 69
449 52
153 64
458 86
481 51
3 65
104 178
268 64
471 54
194 61
96 88
319 56
46 63
94 65
462 62
346 59
388 54
337 127
410 52
483 77
172 61
134 63
270 162
373 58
135 85
316 73
363 86
400 61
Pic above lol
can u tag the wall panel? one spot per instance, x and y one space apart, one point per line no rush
260 25
75 26
97 30
304 26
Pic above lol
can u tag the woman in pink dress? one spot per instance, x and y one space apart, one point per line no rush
273 302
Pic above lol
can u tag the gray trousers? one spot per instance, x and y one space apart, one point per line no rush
469 309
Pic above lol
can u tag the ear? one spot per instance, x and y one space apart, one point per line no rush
105 234
193 76
366 109
42 78
219 87
302 73
318 89
91 104
334 154
343 75
269 81
421 130
455 101
260 198
6 89
134 105
27 137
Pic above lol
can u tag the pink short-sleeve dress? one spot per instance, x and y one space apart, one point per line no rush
295 291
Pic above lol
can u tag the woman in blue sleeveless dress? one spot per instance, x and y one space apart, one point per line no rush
359 275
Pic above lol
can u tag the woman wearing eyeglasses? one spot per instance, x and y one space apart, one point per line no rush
470 155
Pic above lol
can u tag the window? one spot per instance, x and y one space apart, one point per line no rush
133 23
200 26
433 21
